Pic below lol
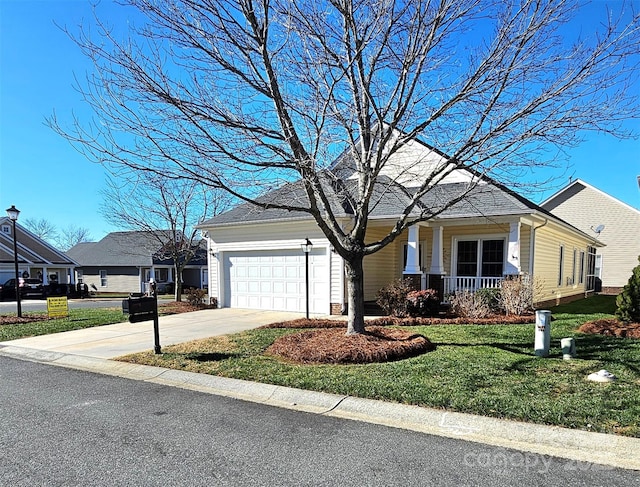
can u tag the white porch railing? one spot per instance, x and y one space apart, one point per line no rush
462 283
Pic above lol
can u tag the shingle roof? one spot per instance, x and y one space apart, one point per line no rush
123 249
291 194
117 249
390 200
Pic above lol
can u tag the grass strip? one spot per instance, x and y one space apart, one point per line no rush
489 370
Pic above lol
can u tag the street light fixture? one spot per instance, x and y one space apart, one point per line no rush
13 213
307 246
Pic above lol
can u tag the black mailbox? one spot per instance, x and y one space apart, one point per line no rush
140 308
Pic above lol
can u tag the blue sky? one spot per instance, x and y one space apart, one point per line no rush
45 178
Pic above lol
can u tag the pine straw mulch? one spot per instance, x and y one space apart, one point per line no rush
328 343
333 346
611 327
14 320
175 307
407 321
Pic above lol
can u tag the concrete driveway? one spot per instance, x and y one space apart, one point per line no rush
111 341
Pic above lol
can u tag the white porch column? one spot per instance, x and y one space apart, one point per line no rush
437 258
513 250
45 276
413 257
141 279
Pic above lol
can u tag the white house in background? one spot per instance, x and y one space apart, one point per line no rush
613 222
256 261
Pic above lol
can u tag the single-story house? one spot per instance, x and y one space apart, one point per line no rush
256 261
613 222
124 262
36 259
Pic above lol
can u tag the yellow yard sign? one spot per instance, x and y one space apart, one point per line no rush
58 307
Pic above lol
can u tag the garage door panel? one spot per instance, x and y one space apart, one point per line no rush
276 280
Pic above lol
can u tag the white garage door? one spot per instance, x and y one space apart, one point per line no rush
275 280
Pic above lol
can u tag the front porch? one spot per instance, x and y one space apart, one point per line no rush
453 255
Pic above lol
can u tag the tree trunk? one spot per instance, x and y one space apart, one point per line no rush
177 283
355 295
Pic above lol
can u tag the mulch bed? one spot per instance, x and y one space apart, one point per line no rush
14 320
175 307
333 346
409 321
611 327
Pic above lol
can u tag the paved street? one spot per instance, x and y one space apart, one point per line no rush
67 427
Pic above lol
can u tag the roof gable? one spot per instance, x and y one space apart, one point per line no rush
576 187
411 164
32 250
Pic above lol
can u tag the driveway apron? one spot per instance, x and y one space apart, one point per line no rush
112 341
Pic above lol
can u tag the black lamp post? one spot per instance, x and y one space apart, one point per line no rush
307 246
13 213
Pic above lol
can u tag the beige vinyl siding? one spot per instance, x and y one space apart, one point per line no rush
548 240
266 232
336 280
586 208
380 268
525 248
119 279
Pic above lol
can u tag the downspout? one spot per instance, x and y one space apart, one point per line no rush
533 245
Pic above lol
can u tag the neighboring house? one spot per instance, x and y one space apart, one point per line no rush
256 261
613 222
125 261
36 259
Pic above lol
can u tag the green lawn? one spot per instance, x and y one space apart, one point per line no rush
489 370
77 319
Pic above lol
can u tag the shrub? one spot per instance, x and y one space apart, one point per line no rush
196 297
516 295
470 304
393 297
423 303
628 301
492 297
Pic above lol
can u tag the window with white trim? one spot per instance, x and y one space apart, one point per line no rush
103 278
561 266
581 270
481 257
598 269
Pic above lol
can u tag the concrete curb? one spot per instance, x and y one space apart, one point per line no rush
577 445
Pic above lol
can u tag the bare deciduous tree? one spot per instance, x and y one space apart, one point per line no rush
72 235
62 239
245 95
43 229
168 210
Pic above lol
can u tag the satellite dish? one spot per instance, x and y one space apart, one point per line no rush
599 229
